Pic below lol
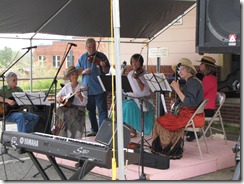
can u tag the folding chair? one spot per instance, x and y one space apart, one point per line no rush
190 126
220 99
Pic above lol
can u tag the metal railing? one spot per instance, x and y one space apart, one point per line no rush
50 96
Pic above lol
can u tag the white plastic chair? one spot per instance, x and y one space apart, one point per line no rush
217 118
190 126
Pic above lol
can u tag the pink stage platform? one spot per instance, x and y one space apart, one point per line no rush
190 165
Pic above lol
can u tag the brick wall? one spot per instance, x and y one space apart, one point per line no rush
230 111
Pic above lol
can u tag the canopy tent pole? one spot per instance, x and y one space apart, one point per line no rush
120 134
31 67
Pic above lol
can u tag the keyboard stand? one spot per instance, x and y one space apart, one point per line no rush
84 168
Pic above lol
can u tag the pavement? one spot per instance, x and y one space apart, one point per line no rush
12 169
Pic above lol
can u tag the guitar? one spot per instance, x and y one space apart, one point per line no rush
68 99
176 107
6 108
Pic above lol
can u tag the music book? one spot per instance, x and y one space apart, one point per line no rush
157 82
106 83
23 98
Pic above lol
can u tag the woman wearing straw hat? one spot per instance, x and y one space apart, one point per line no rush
208 69
70 112
168 131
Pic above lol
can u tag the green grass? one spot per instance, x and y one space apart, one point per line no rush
40 85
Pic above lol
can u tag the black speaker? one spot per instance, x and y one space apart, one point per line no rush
218 26
104 134
45 116
154 160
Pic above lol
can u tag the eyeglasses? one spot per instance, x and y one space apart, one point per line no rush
181 68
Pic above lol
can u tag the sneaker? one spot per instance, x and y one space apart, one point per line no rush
191 136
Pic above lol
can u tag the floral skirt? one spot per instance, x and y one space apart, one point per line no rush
167 143
69 122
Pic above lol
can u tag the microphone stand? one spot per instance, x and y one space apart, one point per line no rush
55 85
55 93
143 175
141 99
4 150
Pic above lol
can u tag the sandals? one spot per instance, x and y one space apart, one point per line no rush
133 145
133 133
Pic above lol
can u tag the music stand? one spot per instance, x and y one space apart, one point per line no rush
23 98
106 82
31 99
157 82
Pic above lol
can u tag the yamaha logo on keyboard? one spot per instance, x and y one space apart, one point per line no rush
29 142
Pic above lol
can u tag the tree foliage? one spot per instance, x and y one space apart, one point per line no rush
5 56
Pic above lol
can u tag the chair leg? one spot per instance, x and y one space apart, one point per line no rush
223 129
198 145
208 128
205 140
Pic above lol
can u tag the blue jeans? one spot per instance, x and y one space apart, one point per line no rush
26 122
100 101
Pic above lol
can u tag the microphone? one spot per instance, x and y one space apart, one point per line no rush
32 47
73 44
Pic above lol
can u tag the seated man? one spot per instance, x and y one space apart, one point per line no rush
25 121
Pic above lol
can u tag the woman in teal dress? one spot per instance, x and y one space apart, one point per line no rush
132 105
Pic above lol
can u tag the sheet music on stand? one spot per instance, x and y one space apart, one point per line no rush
23 98
158 83
106 83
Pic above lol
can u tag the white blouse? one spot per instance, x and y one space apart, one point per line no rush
67 89
137 92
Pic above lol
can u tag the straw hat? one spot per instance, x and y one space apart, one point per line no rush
185 62
71 69
208 60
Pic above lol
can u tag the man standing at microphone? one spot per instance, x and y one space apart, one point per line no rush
94 64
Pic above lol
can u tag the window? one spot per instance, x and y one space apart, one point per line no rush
42 58
70 61
56 61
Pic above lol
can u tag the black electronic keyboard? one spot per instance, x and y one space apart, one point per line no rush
63 147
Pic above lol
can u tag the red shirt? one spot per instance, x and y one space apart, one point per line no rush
209 83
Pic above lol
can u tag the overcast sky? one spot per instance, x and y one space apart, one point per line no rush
16 42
